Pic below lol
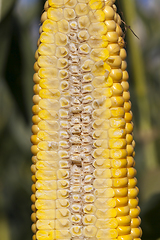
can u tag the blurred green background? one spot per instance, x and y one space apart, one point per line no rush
19 27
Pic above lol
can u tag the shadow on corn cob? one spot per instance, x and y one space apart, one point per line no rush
83 167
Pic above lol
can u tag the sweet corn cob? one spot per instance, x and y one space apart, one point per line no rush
83 148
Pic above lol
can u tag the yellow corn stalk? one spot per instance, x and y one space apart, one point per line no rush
83 167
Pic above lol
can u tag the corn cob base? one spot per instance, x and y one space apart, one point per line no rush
83 167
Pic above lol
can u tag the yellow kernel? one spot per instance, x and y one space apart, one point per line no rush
127 106
135 222
33 217
35 139
96 4
61 39
131 172
130 150
33 168
109 233
49 84
33 178
36 88
122 211
34 149
121 201
97 16
54 3
130 161
36 78
123 230
132 182
33 207
117 89
118 153
81 9
33 198
133 203
129 138
99 54
47 49
112 37
35 129
126 96
47 37
133 192
119 21
115 163
119 173
36 67
98 28
45 234
116 133
125 237
119 30
55 14
117 101
36 109
36 99
111 25
124 220
109 13
38 42
113 49
114 7
120 192
124 65
106 223
109 2
46 5
47 61
114 61
125 76
34 159
44 17
50 26
134 212
123 53
83 22
136 232
69 14
120 182
125 85
116 75
117 143
63 26
52 94
129 127
33 188
36 119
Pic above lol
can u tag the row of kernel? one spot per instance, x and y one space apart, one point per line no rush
35 140
132 181
63 231
75 132
103 192
86 143
48 188
115 61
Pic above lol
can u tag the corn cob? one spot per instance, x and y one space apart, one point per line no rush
83 149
